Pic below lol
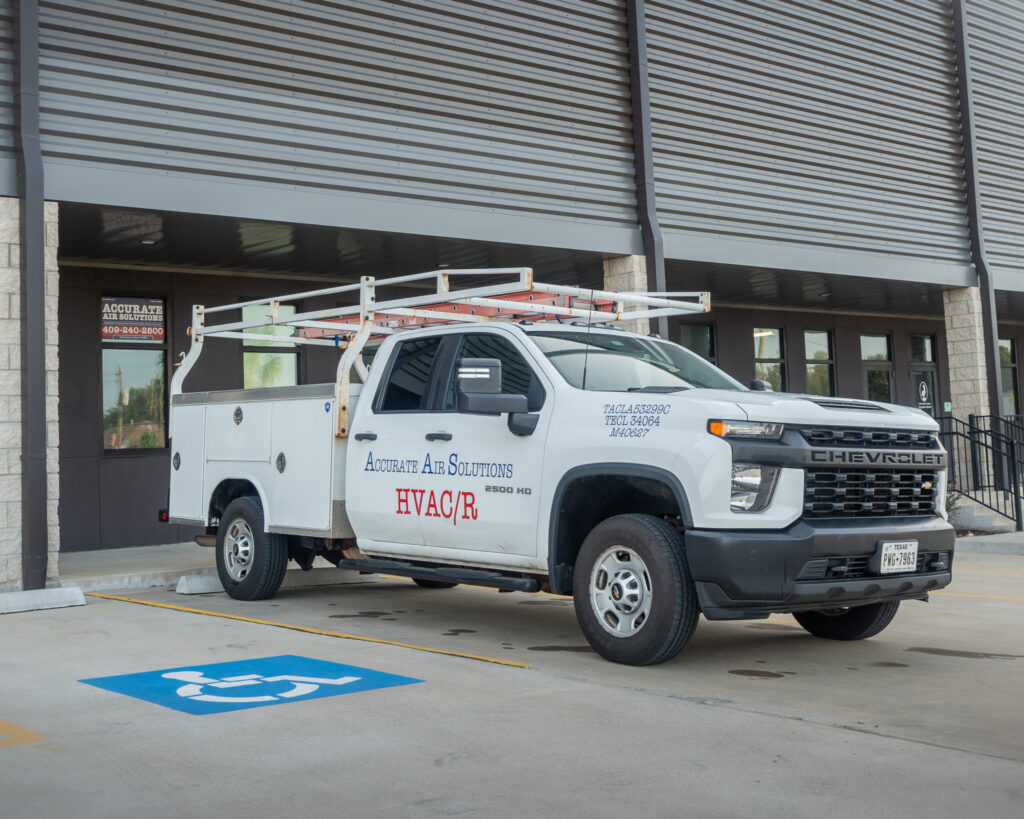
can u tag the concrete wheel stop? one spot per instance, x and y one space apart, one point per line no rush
13 602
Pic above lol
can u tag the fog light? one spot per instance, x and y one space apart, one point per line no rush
752 487
940 563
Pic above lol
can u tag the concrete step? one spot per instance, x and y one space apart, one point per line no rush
969 515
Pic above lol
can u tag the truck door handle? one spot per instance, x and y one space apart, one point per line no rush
439 436
366 436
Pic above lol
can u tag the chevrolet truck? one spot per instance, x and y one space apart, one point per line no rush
514 435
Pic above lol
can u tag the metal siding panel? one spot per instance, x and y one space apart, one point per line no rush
996 41
809 132
8 160
496 112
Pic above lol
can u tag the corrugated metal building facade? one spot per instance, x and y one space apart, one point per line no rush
807 159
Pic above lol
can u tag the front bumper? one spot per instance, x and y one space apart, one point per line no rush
746 575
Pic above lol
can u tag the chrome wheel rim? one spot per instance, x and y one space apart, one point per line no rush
238 550
620 591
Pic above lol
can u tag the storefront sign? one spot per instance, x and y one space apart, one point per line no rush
132 319
924 387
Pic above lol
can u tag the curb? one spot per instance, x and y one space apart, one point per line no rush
37 599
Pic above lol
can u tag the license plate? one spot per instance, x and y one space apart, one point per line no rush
898 556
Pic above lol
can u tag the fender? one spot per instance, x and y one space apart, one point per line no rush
560 577
248 478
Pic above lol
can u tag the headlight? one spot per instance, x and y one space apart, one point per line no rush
745 429
752 487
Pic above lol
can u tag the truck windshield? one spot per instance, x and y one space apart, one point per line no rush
628 363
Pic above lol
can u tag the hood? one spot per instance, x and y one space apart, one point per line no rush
791 408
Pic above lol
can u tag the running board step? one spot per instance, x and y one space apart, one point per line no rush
475 577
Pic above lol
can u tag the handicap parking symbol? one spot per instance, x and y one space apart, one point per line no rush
214 688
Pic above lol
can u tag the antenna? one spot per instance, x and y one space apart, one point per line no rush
586 349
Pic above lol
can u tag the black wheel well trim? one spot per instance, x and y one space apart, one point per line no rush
557 576
226 491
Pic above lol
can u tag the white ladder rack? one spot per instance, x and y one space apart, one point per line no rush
349 327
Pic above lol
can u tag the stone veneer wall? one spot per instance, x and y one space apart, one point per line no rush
11 335
625 273
965 348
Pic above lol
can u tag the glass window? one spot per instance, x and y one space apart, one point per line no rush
621 363
133 399
767 343
820 363
517 377
263 363
133 373
406 388
769 355
922 348
698 338
879 386
875 348
1008 373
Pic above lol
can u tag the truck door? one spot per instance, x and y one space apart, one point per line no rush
385 478
484 493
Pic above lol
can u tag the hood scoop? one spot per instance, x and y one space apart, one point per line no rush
844 404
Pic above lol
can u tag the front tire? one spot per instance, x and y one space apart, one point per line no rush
251 562
634 598
857 623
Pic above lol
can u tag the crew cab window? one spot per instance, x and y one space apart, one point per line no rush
517 376
407 386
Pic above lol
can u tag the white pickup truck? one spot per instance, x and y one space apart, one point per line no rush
513 436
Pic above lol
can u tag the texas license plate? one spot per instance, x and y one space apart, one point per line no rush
898 556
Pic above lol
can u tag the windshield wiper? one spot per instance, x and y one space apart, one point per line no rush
654 388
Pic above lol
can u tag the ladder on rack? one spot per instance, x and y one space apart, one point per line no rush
350 327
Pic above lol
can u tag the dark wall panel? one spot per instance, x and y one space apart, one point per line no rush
8 164
503 120
818 135
110 499
996 39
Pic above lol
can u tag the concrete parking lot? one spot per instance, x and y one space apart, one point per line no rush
753 718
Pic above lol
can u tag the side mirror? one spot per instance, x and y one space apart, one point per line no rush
761 386
478 389
522 423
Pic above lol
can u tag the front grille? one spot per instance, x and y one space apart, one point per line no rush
856 567
868 493
870 438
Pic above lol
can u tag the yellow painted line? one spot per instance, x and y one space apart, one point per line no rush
308 630
11 735
988 596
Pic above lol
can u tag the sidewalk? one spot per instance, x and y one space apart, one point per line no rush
1007 543
138 567
142 567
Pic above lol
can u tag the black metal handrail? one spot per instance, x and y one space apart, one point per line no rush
985 464
1009 425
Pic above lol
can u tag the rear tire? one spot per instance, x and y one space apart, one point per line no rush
857 623
251 562
634 598
424 583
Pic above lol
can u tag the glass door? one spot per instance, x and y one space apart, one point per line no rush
923 373
878 384
876 358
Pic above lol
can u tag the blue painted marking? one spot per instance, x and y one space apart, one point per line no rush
327 406
214 688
